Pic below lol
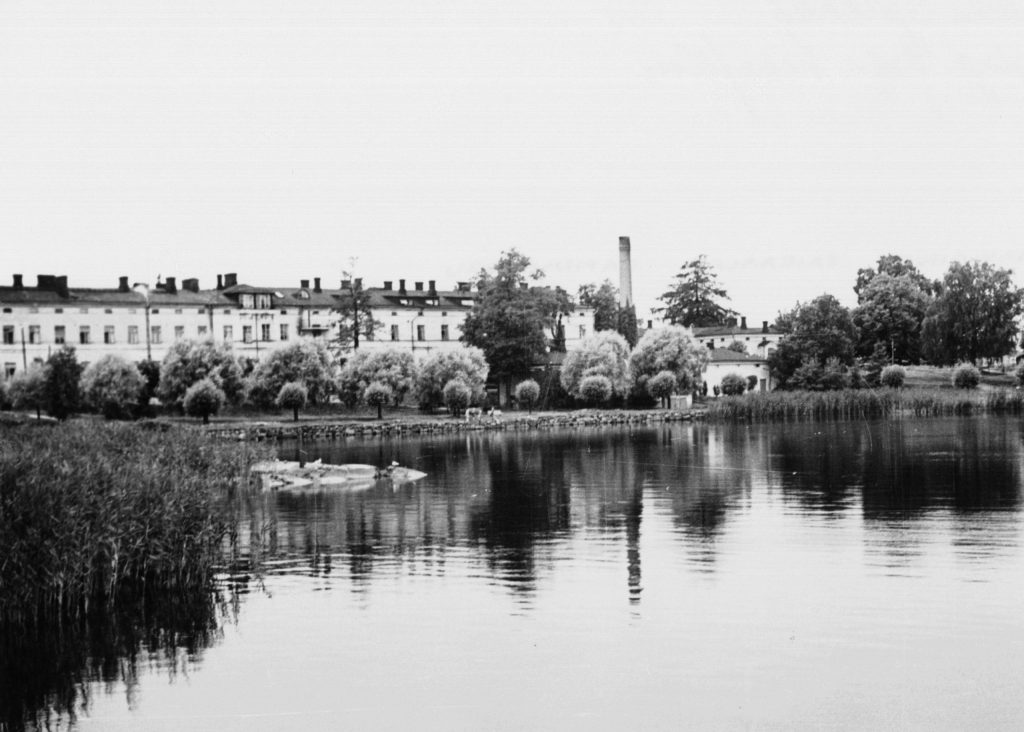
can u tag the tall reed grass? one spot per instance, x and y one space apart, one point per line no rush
863 404
92 512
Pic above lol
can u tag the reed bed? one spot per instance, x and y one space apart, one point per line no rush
863 404
92 513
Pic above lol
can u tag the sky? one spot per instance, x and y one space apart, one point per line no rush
791 143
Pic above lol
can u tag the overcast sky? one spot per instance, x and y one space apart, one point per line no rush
791 143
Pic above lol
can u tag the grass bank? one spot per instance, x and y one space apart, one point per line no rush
93 512
864 404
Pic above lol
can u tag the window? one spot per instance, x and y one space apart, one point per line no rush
265 331
33 309
133 334
58 310
9 369
229 333
154 334
421 332
443 313
108 334
247 333
284 331
83 310
284 312
583 331
8 335
444 331
7 310
202 331
263 301
155 311
394 332
35 335
58 334
178 311
108 311
179 332
200 311
83 334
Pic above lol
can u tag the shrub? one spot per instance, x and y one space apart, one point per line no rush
293 396
752 383
1019 373
966 376
203 399
893 376
27 389
662 386
737 347
733 384
4 400
457 396
527 393
112 386
596 389
377 395
62 383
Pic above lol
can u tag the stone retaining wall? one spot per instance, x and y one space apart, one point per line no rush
342 430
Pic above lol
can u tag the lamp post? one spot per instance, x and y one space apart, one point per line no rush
143 289
412 331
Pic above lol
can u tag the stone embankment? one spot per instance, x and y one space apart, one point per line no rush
259 431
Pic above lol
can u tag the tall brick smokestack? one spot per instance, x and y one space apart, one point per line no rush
625 273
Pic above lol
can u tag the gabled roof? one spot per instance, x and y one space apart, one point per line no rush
718 331
724 355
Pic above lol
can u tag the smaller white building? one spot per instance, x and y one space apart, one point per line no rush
724 362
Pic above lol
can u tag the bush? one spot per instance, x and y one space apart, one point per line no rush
737 347
733 384
293 396
62 383
112 386
203 399
377 395
966 376
662 386
1019 373
457 396
752 383
27 389
596 389
893 376
4 400
527 393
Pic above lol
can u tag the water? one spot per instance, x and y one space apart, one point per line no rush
850 576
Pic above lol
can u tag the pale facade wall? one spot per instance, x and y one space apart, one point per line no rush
716 370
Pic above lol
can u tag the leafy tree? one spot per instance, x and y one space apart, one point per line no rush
203 399
751 383
973 316
393 367
27 389
527 393
457 396
602 354
189 362
62 390
662 386
1019 374
5 401
695 298
377 394
150 371
608 314
307 362
893 376
466 364
816 331
890 314
733 384
737 347
293 396
112 386
966 376
671 349
509 318
355 316
596 389
891 265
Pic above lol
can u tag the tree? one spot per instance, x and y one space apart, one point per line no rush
466 364
602 354
816 331
668 349
966 376
737 347
509 317
890 314
150 371
112 386
457 396
203 399
596 389
608 314
893 266
662 386
392 367
527 393
293 396
973 316
733 384
61 389
695 298
189 362
377 394
355 316
27 389
307 362
893 376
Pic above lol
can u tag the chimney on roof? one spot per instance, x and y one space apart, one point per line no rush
230 279
359 283
46 282
191 284
61 283
764 326
432 288
401 287
346 284
743 322
625 273
650 325
524 285
17 282
122 284
171 286
316 284
387 285
220 282
419 287
731 322
304 284
462 286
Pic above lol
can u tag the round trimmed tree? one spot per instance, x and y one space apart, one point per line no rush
112 386
203 399
893 376
596 390
527 393
377 395
293 396
457 396
966 376
733 384
662 386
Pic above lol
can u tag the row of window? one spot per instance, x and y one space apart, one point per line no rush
85 334
421 332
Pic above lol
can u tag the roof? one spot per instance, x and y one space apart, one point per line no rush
734 330
724 355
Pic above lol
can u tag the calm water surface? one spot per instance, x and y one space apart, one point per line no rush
849 575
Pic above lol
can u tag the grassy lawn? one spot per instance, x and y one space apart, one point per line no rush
938 376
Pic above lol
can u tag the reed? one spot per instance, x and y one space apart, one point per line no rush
94 512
